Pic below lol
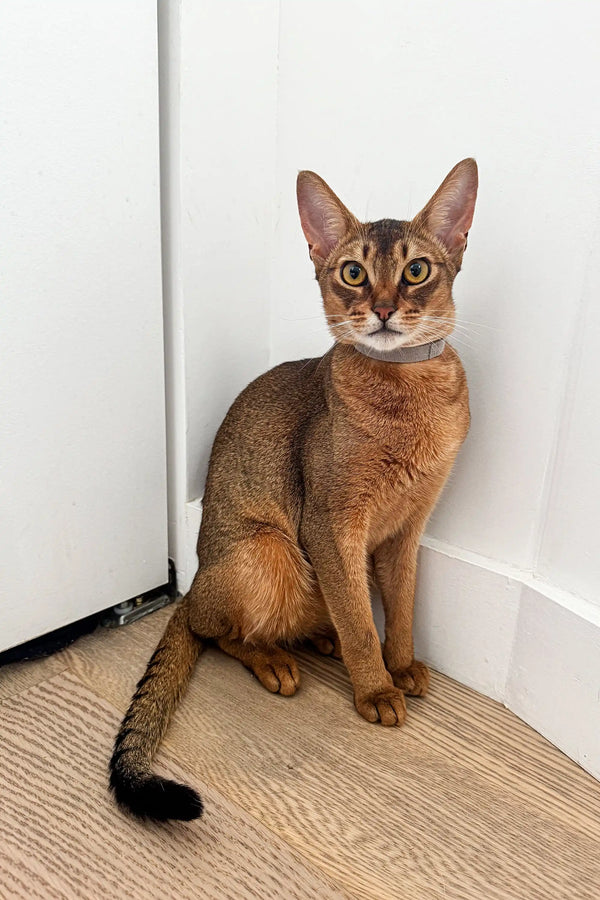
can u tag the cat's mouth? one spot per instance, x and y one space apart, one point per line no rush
383 328
384 337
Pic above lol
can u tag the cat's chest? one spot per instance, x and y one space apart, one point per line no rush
397 433
404 466
410 459
411 440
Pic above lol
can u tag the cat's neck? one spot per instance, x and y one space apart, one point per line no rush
381 397
353 372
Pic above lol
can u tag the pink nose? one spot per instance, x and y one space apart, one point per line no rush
384 312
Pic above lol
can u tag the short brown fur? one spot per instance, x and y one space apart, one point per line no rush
323 473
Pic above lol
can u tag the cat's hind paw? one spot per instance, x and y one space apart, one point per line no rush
278 671
328 644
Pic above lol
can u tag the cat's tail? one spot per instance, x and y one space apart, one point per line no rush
135 786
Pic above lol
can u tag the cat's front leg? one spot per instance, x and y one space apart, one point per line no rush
338 560
395 572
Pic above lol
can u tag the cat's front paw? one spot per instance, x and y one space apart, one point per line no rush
387 706
414 680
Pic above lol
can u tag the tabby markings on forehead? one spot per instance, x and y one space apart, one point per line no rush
386 234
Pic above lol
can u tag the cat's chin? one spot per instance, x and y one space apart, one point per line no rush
385 339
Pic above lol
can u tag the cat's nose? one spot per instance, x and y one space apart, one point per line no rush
383 311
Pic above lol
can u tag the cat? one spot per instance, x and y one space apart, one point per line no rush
323 473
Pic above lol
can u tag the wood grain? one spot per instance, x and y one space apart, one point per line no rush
380 811
490 739
62 837
18 677
464 802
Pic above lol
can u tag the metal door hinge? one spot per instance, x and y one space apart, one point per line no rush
134 609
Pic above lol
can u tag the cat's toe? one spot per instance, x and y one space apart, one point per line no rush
387 706
279 675
414 680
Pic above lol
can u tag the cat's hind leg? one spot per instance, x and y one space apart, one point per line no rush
275 668
272 589
259 596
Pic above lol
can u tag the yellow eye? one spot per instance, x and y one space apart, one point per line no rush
416 271
353 273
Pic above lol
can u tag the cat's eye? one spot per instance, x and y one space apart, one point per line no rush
416 271
354 274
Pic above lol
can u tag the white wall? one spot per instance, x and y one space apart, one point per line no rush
569 536
382 103
382 98
219 89
228 97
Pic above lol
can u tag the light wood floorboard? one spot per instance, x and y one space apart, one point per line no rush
303 798
61 837
18 677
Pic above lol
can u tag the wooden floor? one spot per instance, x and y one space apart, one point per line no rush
303 798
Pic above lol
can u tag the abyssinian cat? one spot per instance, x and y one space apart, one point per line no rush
323 475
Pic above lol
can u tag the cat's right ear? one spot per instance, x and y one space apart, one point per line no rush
324 218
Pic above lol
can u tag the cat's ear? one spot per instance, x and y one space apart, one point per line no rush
449 213
324 218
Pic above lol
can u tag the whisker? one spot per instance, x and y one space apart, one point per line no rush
457 328
460 323
300 318
312 331
457 340
446 319
325 355
428 334
479 324
309 318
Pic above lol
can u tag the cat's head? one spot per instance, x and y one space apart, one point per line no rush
388 284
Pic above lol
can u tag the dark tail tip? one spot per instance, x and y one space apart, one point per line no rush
152 797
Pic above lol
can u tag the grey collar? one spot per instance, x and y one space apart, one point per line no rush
405 354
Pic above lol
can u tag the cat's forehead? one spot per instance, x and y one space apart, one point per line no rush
388 241
387 236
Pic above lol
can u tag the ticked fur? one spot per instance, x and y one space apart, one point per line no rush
323 475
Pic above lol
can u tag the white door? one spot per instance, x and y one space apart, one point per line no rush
83 521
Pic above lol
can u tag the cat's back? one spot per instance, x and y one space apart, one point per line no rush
273 403
255 469
262 434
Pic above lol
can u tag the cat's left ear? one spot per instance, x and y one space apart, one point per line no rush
449 213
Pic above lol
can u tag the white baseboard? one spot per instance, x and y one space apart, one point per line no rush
507 634
465 618
554 678
516 638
